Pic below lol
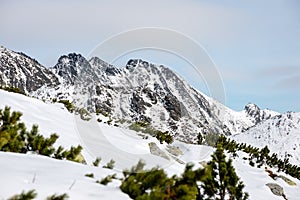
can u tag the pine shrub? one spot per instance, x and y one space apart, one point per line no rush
110 164
15 138
31 194
67 104
107 179
221 179
58 197
97 161
91 175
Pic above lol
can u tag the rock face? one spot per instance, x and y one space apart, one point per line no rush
20 71
155 150
74 68
276 189
257 114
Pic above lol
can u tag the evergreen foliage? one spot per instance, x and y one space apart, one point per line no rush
211 139
221 181
91 175
14 90
218 181
12 131
58 197
38 144
68 105
97 161
110 164
73 153
144 127
15 138
84 114
107 179
260 157
31 194
164 137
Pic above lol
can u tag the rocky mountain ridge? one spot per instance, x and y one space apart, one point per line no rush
139 92
21 71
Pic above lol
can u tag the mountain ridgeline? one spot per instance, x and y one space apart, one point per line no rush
140 92
20 71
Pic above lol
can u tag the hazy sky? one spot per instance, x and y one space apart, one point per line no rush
255 45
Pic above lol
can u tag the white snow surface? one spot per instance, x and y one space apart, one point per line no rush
48 176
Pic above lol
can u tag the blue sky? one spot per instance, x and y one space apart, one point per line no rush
255 45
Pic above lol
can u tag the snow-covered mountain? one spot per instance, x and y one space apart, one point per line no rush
21 71
280 133
23 172
145 92
141 91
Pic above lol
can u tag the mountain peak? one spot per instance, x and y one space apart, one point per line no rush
132 63
257 114
71 58
2 48
252 109
70 67
19 70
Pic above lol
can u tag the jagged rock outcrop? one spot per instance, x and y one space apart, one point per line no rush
23 72
257 114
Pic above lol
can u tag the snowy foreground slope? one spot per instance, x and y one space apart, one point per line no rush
48 176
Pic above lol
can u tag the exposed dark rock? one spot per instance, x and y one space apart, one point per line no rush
172 105
137 104
253 111
103 107
143 118
112 71
98 90
151 95
256 113
74 68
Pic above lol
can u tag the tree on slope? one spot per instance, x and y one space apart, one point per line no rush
11 131
221 181
15 138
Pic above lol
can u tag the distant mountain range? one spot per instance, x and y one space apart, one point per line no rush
150 94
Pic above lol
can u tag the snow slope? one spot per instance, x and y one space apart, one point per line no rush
280 133
51 118
48 176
